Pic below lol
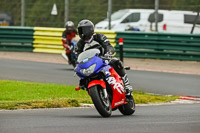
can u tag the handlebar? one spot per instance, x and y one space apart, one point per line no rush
106 57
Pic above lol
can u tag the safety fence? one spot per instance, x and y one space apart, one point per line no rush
16 38
48 40
37 39
135 45
160 45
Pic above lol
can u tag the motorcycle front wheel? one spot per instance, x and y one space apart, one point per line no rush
101 103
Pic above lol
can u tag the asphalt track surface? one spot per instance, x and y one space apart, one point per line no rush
153 82
182 118
176 118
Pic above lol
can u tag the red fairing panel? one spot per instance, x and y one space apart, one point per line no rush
97 82
117 86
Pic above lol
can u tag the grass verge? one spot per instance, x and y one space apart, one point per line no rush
30 95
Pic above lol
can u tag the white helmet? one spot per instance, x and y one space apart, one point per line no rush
69 24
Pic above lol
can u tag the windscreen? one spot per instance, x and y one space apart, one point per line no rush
151 18
191 19
86 55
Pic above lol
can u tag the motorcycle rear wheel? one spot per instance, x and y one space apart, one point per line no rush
129 108
101 103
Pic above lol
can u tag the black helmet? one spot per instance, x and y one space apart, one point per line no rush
85 29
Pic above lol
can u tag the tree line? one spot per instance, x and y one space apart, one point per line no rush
38 12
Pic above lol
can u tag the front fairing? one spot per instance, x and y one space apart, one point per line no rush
94 60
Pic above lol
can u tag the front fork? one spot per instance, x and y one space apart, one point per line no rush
105 93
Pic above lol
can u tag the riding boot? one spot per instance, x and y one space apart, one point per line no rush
127 86
119 68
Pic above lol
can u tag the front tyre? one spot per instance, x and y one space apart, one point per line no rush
101 103
129 108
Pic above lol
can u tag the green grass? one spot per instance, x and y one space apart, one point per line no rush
25 95
144 98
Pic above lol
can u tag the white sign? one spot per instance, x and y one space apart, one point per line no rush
54 10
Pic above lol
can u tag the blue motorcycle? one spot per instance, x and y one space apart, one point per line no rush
103 84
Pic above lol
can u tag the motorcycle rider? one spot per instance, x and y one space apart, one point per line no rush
67 36
88 38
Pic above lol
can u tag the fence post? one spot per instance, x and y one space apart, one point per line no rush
22 12
156 14
121 48
66 11
109 13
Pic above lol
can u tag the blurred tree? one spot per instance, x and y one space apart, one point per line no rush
38 12
94 10
13 8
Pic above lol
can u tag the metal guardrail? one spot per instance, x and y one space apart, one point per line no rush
16 38
48 40
135 45
37 39
160 45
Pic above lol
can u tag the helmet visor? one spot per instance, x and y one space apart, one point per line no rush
85 32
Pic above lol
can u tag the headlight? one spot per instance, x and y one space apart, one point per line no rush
88 70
